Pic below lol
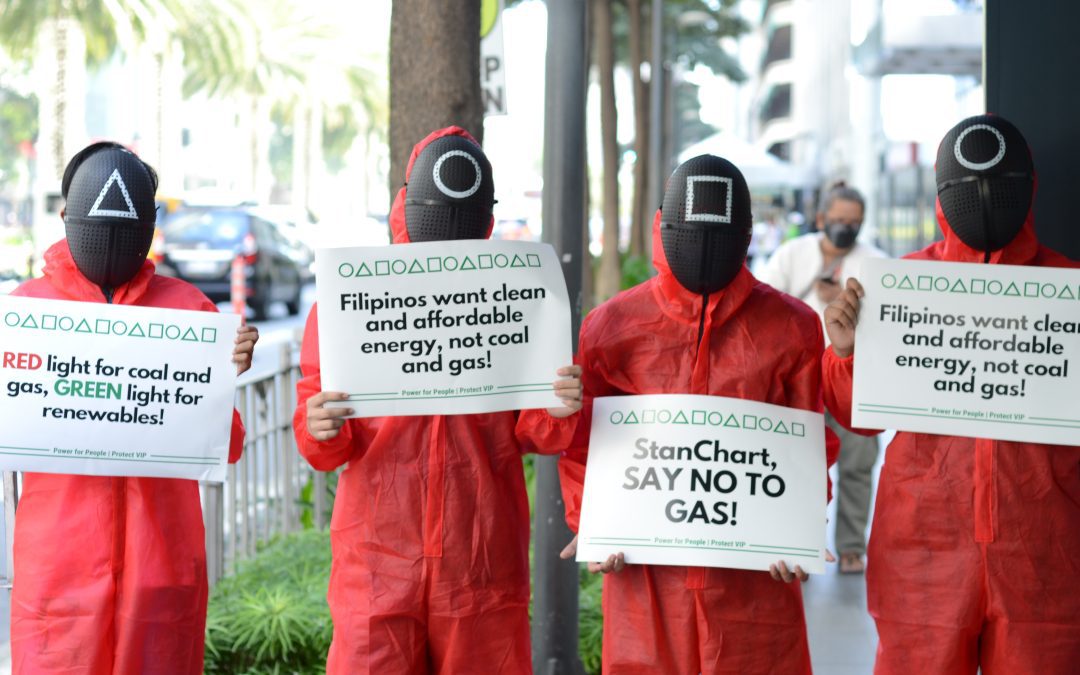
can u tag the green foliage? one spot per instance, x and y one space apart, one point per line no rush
590 620
18 125
306 502
271 616
635 269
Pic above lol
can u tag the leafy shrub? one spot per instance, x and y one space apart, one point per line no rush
271 617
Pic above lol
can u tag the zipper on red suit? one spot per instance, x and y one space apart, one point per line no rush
436 489
985 490
699 384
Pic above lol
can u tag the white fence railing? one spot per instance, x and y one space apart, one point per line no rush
262 495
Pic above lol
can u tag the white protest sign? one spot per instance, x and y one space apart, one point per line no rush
704 481
114 390
969 350
448 327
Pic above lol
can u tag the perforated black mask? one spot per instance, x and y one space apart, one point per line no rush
985 181
450 192
109 216
705 223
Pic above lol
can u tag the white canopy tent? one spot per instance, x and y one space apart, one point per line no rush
761 169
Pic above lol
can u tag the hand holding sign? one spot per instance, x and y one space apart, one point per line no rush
246 337
841 317
568 390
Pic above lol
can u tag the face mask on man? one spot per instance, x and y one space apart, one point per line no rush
841 235
705 223
450 193
109 215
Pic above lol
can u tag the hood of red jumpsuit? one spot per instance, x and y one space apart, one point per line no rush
398 230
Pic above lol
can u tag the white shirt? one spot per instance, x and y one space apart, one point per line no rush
798 263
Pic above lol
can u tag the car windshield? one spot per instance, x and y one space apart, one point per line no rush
220 229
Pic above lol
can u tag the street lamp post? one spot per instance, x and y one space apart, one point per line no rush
555 597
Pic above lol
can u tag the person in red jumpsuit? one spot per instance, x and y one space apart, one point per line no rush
430 530
110 572
974 550
703 325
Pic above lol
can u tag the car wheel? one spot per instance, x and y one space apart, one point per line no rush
260 306
293 305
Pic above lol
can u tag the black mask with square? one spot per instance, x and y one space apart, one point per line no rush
705 223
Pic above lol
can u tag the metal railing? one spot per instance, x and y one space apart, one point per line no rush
261 497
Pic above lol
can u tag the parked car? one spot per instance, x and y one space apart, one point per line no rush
200 244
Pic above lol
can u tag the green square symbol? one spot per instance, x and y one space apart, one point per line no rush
978 286
484 260
798 429
749 421
48 321
533 259
157 330
101 326
434 264
926 283
648 416
697 417
1031 289
382 268
209 334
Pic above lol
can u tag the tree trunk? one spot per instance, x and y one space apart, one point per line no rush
610 279
640 216
434 74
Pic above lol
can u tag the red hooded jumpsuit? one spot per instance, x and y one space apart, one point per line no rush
110 573
974 554
430 531
756 344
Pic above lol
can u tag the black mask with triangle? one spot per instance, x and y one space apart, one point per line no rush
109 216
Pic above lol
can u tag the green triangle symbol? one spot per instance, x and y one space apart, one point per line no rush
189 339
958 287
136 331
83 327
1066 293
29 322
732 422
467 264
1012 290
363 271
517 262
905 284
631 419
781 428
680 418
416 267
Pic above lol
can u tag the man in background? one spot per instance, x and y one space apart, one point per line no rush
814 268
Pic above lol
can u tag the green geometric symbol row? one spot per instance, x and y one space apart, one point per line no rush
713 418
978 286
117 327
434 264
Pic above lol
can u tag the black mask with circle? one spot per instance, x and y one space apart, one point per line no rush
109 216
705 223
985 181
450 192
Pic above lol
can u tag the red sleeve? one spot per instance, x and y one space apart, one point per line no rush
837 376
322 455
236 438
804 392
576 450
539 432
